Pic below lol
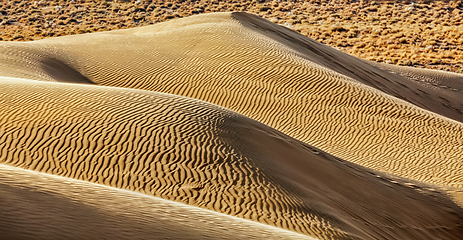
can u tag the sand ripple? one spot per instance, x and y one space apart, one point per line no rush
194 152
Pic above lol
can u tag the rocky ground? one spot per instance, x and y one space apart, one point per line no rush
419 33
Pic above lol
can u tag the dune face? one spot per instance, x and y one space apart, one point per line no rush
309 101
313 93
54 207
442 87
402 86
200 154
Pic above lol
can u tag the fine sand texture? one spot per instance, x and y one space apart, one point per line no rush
54 207
265 125
350 108
443 87
193 152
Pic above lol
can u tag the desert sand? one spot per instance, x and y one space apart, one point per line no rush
65 208
232 113
189 151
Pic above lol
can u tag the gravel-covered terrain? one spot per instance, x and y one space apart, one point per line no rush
415 33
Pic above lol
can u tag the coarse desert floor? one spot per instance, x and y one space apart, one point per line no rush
224 126
418 33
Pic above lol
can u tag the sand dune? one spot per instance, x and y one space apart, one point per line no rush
309 101
363 71
444 88
193 152
307 90
61 208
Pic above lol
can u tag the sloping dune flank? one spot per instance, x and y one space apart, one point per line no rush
54 207
441 87
193 152
309 91
402 86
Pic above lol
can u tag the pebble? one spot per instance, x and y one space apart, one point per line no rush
288 25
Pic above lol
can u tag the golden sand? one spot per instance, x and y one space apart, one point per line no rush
317 95
307 98
56 207
203 155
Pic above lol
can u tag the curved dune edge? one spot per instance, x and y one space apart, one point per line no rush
367 72
445 88
55 207
201 154
216 58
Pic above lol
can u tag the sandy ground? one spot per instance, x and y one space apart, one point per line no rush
301 137
309 91
193 152
412 33
55 207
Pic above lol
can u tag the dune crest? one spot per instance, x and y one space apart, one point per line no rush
315 94
399 84
232 113
56 207
193 152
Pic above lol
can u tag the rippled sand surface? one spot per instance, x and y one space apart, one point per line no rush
66 208
265 125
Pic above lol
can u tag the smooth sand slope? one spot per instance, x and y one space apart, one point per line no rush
442 87
54 207
309 91
193 152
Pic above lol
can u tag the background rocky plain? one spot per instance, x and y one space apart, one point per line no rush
421 33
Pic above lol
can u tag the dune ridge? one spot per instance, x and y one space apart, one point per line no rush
206 149
383 31
56 207
444 87
228 60
401 85
193 152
